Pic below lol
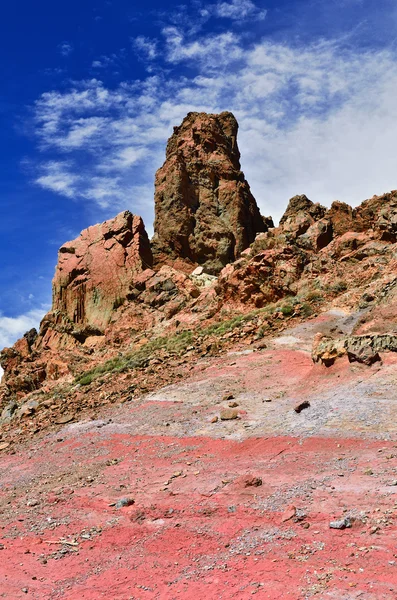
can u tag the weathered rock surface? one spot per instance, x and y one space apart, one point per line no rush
95 271
205 211
359 348
110 297
328 250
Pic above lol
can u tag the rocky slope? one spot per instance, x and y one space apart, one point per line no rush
169 432
121 303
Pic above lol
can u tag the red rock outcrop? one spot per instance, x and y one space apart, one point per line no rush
94 275
205 211
95 271
110 295
316 248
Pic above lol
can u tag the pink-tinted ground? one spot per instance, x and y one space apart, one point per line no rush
197 528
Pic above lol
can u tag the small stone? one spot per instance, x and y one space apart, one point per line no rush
214 420
261 346
233 404
123 502
228 414
341 524
288 514
227 397
63 419
368 472
301 406
305 525
4 445
252 481
374 530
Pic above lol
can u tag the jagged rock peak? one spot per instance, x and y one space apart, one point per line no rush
95 271
205 211
301 204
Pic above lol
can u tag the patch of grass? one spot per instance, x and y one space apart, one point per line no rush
338 287
306 309
178 343
313 296
175 344
287 310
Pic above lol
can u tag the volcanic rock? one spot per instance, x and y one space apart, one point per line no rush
95 271
228 414
205 211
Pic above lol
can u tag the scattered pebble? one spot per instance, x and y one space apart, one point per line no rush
341 524
124 502
301 406
227 414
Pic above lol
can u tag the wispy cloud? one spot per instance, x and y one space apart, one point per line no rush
58 177
66 48
146 47
213 51
236 10
317 118
113 61
12 328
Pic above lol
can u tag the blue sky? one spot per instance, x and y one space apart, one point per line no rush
90 91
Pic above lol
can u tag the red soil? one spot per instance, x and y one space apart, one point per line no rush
204 534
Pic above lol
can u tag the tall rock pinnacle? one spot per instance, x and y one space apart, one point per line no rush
205 211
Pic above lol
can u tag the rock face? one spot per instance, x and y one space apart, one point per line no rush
113 292
95 271
328 250
205 211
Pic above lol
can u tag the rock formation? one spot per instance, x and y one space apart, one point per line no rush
205 211
95 271
318 248
113 291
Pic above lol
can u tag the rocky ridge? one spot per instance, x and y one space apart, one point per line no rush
127 310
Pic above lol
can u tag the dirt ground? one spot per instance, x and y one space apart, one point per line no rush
212 508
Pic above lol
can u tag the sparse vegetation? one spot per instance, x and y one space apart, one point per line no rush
177 343
338 287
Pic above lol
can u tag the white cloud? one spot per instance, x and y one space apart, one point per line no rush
236 10
13 328
58 177
318 119
145 46
212 51
65 48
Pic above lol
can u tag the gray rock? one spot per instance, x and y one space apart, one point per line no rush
342 524
28 408
8 411
123 502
